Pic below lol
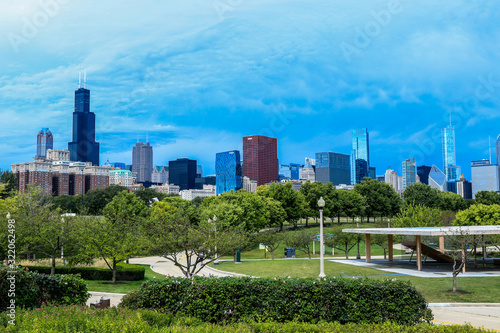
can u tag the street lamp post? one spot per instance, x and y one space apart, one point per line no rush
216 261
321 204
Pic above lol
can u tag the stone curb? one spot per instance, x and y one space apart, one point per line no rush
436 305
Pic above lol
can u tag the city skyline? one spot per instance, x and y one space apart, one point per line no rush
205 79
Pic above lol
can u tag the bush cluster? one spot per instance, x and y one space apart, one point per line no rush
32 289
231 299
84 319
125 272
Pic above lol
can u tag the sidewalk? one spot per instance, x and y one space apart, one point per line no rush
479 315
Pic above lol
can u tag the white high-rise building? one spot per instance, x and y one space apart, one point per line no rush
391 177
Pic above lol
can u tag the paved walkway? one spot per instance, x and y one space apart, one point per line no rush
163 266
115 299
480 315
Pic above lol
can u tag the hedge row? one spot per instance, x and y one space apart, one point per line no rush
231 299
125 272
31 289
84 319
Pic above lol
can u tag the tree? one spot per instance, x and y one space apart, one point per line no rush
341 241
190 246
311 193
380 198
479 214
451 201
40 227
271 240
8 180
149 195
417 216
241 208
115 237
488 198
333 203
301 240
460 248
421 194
277 214
353 203
290 200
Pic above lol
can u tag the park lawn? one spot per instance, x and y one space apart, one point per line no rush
482 289
123 287
256 253
294 268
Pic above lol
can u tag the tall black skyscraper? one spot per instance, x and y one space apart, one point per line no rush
83 148
182 172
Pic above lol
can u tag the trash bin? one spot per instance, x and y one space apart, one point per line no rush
290 252
237 256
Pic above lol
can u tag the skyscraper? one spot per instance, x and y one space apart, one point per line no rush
437 179
391 177
361 154
423 173
409 172
451 170
333 167
83 148
260 159
228 171
182 172
142 162
44 141
498 154
484 177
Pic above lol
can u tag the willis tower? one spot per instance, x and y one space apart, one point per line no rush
83 148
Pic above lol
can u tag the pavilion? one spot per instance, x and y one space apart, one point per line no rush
418 233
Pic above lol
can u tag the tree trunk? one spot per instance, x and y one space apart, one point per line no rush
309 254
307 222
272 255
113 279
454 280
338 218
53 267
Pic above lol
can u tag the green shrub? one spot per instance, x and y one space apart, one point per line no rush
233 299
125 272
85 319
32 289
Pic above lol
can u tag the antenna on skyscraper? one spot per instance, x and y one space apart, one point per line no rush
85 78
147 137
450 118
79 79
489 144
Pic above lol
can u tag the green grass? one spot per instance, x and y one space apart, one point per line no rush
256 253
482 289
123 287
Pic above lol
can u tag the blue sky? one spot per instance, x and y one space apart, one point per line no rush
198 75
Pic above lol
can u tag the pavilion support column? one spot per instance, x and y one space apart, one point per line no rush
419 252
441 244
368 248
484 250
390 245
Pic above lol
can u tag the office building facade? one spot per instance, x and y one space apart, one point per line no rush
464 188
182 172
409 172
484 177
83 148
44 141
142 162
260 159
333 167
228 171
360 155
159 175
391 177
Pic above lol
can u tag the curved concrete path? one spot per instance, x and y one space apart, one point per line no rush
479 315
165 267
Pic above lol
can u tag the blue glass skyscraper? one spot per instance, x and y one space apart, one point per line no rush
333 167
451 170
83 148
361 150
228 171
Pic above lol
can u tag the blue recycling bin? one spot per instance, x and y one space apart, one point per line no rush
290 252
